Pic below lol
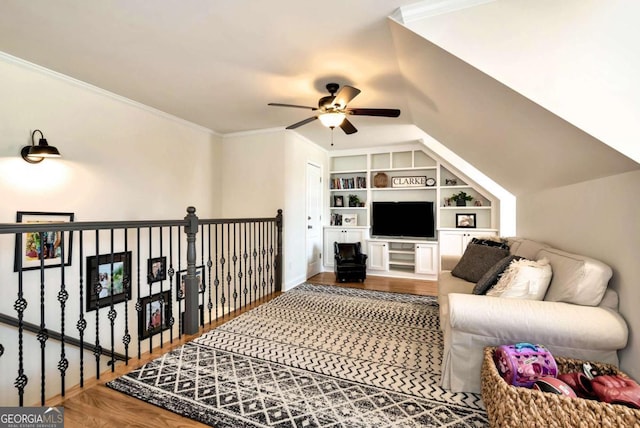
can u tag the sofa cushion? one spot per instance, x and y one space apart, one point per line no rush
576 279
490 277
524 247
491 241
524 279
476 260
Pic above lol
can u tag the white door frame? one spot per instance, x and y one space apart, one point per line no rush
313 235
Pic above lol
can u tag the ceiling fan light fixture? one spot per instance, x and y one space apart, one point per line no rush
332 119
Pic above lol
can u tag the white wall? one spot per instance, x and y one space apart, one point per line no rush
121 161
266 171
576 58
597 218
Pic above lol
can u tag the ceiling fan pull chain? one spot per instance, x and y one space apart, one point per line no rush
332 128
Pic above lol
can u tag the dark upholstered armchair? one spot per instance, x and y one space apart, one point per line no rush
350 264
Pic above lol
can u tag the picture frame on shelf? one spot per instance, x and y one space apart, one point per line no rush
43 249
151 319
338 201
156 269
108 279
466 220
350 220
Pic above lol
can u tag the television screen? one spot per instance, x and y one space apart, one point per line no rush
403 219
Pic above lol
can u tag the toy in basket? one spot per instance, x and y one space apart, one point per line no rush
524 363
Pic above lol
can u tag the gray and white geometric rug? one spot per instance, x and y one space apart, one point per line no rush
316 356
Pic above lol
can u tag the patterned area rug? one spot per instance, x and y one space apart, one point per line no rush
316 356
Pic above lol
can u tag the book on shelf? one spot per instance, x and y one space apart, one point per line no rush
349 183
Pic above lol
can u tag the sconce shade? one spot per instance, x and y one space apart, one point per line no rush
36 154
331 120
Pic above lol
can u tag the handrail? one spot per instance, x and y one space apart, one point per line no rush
33 328
6 228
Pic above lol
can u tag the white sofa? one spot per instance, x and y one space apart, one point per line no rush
578 317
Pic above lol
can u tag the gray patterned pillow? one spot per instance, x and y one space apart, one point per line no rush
491 277
476 260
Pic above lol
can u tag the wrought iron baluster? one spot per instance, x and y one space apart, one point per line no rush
209 265
171 273
228 278
63 296
97 287
235 268
112 314
150 293
126 283
81 325
255 260
202 289
20 306
245 290
138 305
42 334
216 258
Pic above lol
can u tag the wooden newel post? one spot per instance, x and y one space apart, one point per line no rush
191 310
278 260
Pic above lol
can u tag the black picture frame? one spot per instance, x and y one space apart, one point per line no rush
156 269
150 319
181 278
338 201
109 271
465 220
29 249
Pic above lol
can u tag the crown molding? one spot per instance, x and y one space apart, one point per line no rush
428 8
103 92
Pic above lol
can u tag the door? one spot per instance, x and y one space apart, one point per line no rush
314 220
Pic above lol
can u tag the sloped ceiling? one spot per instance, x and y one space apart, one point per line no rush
516 142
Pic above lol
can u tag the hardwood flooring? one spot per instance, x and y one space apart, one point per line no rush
381 283
98 406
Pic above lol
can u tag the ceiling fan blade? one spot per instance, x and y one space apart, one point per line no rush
292 105
348 127
386 112
302 122
344 95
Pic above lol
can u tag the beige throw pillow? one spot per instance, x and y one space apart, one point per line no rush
523 279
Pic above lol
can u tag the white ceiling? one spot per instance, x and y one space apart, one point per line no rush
218 63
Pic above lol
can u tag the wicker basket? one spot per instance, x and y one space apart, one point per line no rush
510 406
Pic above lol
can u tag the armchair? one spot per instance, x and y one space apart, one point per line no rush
350 264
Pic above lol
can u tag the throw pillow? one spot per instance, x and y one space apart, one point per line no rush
476 260
524 279
491 241
490 277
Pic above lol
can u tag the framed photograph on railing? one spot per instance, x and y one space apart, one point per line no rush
151 320
36 249
182 276
108 277
156 269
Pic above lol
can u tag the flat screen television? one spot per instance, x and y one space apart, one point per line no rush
403 219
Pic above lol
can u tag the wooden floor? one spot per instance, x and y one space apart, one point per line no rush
99 406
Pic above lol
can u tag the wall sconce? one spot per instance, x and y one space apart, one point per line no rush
36 154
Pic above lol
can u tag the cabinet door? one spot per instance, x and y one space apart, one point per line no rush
330 236
452 243
353 235
426 259
378 256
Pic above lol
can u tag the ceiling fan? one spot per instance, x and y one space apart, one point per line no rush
332 109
